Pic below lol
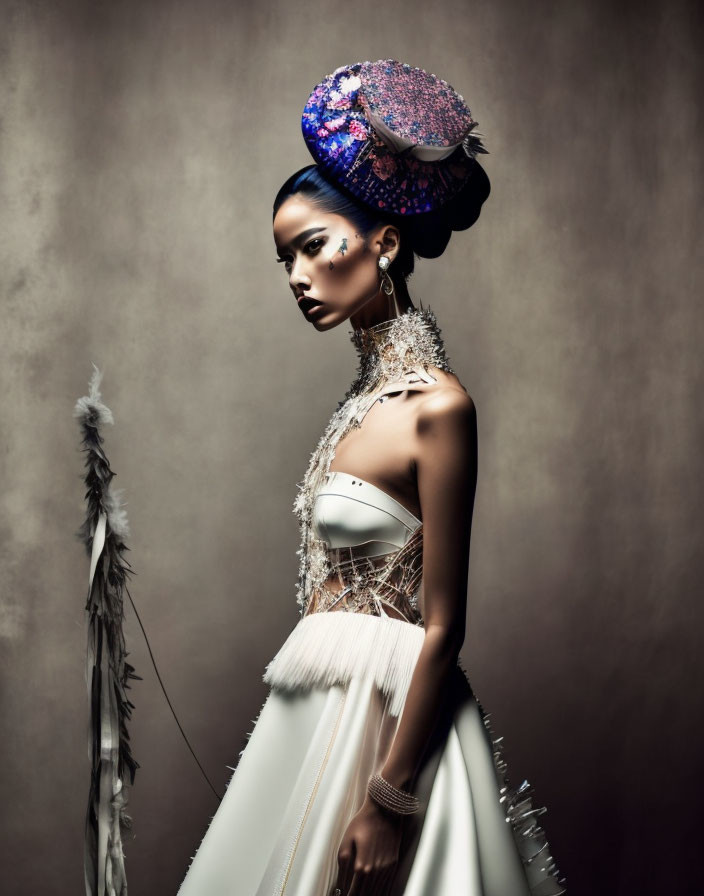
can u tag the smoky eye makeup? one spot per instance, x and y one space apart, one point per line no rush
306 248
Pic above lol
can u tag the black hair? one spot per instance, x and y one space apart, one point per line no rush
424 235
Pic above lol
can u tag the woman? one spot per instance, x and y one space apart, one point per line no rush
371 769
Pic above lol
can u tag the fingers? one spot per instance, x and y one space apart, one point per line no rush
354 879
386 879
369 882
345 865
358 881
378 881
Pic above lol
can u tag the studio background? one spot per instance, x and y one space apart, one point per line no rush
142 146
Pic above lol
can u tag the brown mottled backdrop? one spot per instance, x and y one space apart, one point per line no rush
142 145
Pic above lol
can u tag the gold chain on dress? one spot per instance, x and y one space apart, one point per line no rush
394 352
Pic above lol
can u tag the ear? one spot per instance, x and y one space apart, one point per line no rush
388 241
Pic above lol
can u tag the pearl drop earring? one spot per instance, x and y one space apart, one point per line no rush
387 283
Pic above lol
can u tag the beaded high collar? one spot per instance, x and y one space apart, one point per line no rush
389 349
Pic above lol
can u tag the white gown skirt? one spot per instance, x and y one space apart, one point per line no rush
302 776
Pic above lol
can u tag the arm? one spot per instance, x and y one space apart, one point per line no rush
446 463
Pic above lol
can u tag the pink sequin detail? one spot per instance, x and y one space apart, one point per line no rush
414 104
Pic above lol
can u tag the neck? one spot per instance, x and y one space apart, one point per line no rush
386 350
383 307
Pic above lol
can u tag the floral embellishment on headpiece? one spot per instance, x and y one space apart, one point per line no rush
396 136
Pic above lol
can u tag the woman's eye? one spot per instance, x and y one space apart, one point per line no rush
312 244
310 248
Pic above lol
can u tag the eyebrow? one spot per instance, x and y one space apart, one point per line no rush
301 236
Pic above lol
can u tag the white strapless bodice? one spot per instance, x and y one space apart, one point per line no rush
350 512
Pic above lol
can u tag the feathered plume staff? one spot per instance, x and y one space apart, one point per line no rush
107 672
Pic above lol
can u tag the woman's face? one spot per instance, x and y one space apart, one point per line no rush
329 261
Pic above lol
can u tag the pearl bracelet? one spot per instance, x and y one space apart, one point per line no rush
392 798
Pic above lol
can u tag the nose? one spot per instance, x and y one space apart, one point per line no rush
297 278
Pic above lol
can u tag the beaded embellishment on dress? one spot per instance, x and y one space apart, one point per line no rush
393 353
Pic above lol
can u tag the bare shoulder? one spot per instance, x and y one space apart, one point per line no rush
446 380
447 404
446 437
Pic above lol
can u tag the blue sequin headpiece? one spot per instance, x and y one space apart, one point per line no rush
398 138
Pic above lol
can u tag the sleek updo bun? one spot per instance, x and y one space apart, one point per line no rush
422 235
430 233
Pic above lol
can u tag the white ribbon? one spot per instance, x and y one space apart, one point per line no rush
399 144
111 798
98 544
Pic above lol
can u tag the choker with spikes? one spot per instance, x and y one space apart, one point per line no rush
392 348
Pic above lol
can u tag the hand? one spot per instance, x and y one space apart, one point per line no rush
369 852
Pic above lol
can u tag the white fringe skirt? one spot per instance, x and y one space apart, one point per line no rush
338 685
